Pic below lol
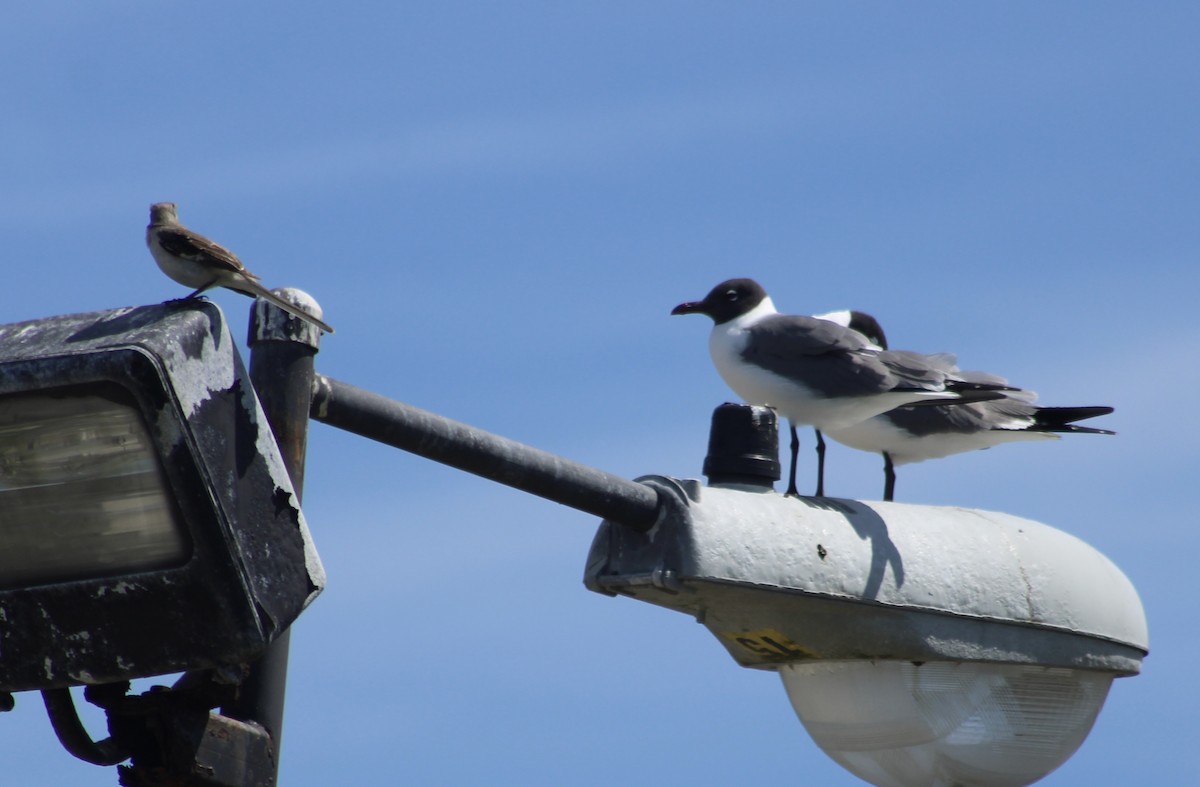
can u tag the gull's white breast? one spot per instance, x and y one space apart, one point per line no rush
792 399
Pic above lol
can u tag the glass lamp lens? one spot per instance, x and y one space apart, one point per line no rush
896 724
82 492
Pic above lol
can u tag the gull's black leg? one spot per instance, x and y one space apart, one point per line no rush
820 463
791 490
889 477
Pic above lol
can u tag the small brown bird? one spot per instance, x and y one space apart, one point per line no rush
195 261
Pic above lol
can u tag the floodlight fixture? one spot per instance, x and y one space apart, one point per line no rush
147 522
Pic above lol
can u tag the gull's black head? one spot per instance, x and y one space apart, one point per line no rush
858 321
727 301
868 326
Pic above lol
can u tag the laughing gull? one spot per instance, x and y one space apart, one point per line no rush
814 371
914 434
869 327
195 261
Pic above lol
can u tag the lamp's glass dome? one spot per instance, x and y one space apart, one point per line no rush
896 724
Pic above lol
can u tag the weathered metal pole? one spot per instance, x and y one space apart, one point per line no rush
485 454
281 368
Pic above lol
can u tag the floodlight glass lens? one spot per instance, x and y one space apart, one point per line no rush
945 724
82 490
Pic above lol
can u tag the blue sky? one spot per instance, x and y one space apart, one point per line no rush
497 207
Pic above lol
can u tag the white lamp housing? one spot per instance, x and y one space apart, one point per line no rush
919 645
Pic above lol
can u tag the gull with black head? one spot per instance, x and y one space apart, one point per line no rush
913 434
813 371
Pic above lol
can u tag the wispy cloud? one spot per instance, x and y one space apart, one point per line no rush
573 139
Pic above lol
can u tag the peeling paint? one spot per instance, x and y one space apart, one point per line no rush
268 451
120 587
196 377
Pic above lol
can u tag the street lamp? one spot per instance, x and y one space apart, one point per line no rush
919 645
147 522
